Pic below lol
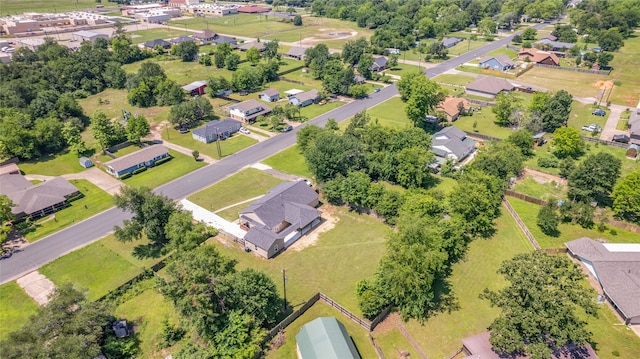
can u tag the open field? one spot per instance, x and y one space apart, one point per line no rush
576 83
178 166
461 80
184 72
320 309
312 111
246 25
13 7
332 32
625 64
94 201
333 264
390 113
440 335
289 161
545 191
403 69
486 125
141 36
581 116
528 212
15 308
117 101
239 187
227 147
52 165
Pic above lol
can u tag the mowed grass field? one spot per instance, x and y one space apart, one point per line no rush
290 161
576 83
227 147
15 308
178 166
52 165
625 64
114 101
14 7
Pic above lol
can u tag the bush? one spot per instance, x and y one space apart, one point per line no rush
125 176
139 170
547 162
166 159
548 220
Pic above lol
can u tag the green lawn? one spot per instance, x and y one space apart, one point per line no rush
581 116
440 335
321 28
461 80
239 187
392 342
625 64
227 147
486 125
16 7
403 69
240 25
305 77
140 36
502 51
147 311
184 72
52 165
359 335
528 212
94 201
333 264
290 161
390 113
117 101
312 111
94 267
545 191
125 250
576 83
231 213
15 308
178 166
610 336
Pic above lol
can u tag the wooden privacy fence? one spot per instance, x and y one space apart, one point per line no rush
521 224
608 143
292 81
290 70
575 69
525 197
482 137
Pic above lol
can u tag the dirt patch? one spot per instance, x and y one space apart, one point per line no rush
604 84
388 324
329 221
542 177
330 34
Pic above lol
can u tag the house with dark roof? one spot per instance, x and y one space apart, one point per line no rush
359 80
478 346
280 217
219 39
616 266
258 45
270 95
452 143
35 201
451 107
557 46
214 130
204 37
247 111
181 39
305 98
489 86
499 62
253 9
539 57
196 88
151 45
379 64
295 53
450 42
325 338
146 157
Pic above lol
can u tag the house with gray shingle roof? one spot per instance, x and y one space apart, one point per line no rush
450 42
305 98
616 266
270 95
146 157
280 217
151 45
557 46
489 86
247 111
295 53
452 143
181 39
213 130
379 64
258 45
499 62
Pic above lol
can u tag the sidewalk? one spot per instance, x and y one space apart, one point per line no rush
211 219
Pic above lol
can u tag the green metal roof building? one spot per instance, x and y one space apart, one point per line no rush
325 338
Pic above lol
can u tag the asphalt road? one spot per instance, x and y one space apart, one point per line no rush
51 247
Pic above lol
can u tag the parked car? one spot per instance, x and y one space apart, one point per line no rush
592 127
287 128
621 138
244 130
183 130
599 112
377 89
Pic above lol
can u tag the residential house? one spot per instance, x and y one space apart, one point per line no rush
35 201
499 62
293 92
181 39
634 123
451 107
247 111
219 39
325 338
379 64
550 38
253 9
280 217
552 45
196 88
295 53
359 80
214 130
146 157
305 98
204 37
152 44
489 86
258 45
616 266
478 346
451 143
90 36
9 169
450 42
270 95
539 57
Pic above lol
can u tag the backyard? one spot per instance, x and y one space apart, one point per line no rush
179 165
576 83
15 308
52 165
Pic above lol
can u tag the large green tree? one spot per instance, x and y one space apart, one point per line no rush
331 154
422 96
502 160
626 197
189 114
187 51
594 178
476 199
507 104
567 142
137 127
253 55
541 306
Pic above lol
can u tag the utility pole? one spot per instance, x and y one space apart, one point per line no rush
284 286
218 143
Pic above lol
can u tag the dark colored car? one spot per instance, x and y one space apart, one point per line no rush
287 129
621 138
598 112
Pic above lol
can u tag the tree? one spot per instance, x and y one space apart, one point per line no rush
506 105
487 27
438 50
5 209
102 129
189 114
151 214
476 199
604 58
548 220
247 78
557 110
412 167
539 306
141 96
331 154
626 197
137 127
271 49
502 160
68 326
231 61
306 135
594 178
205 60
217 84
169 93
187 50
359 91
610 40
522 139
567 142
565 33
423 97
566 166
297 20
72 136
183 234
253 55
364 65
529 33
353 50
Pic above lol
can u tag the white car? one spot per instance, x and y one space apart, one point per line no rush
244 130
591 128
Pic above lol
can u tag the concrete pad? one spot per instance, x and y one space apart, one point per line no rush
213 220
37 286
260 166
